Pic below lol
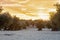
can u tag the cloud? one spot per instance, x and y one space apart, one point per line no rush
27 7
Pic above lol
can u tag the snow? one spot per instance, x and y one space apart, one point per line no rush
30 34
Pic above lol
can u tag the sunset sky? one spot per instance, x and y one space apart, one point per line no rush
29 9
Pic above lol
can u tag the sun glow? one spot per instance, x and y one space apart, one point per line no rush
27 9
52 10
58 1
44 16
23 16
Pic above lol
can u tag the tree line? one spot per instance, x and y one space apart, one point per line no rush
7 22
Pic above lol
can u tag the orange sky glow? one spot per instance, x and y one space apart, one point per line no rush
29 9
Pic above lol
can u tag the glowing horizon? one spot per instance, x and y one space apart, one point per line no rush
29 9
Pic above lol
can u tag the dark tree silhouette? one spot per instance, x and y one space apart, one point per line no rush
48 24
39 24
15 24
5 20
56 19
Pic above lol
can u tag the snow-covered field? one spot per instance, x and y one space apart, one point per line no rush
30 34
